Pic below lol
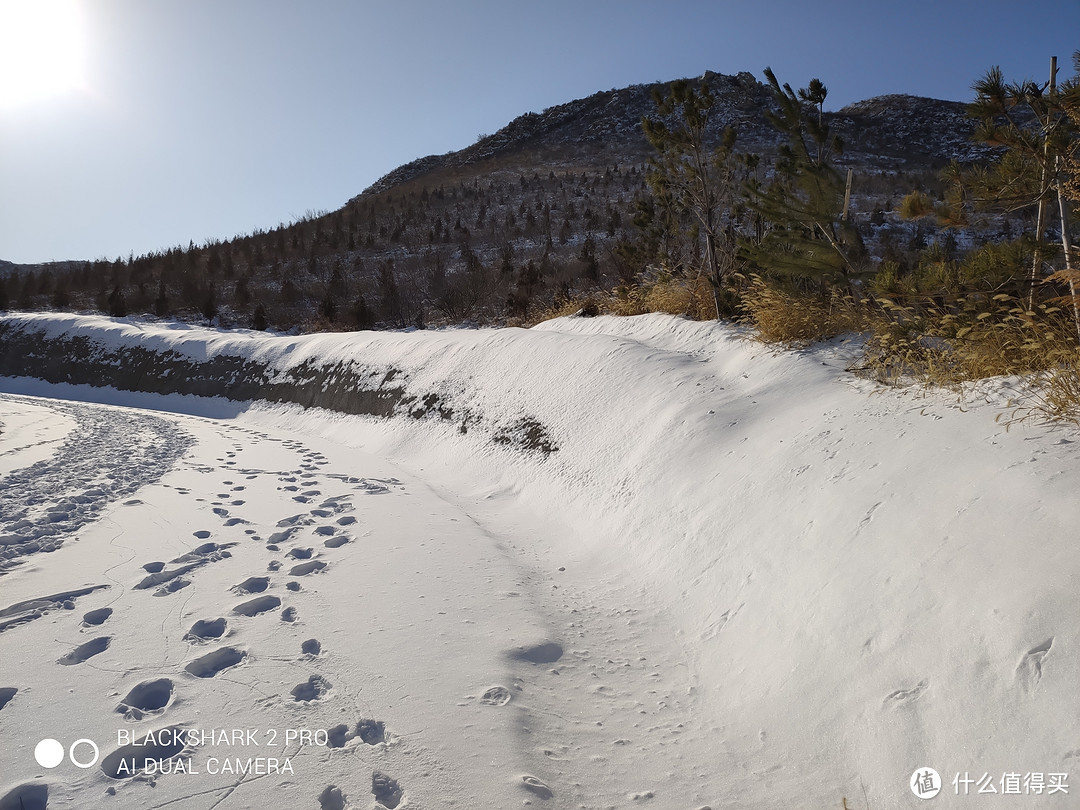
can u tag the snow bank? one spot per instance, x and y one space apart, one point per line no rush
866 581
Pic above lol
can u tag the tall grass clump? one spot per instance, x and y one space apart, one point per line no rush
785 314
973 338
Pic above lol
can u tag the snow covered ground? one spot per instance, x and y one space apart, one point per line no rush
739 578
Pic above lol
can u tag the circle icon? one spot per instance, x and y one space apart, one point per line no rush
90 763
925 783
49 753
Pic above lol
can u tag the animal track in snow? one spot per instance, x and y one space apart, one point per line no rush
311 647
289 615
86 651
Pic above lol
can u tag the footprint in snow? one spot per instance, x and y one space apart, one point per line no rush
206 629
536 786
209 665
386 790
148 697
96 617
902 697
172 586
260 604
306 568
6 694
369 732
1030 669
252 585
29 796
86 651
312 689
546 653
332 798
496 696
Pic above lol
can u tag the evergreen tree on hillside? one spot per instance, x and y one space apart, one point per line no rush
117 305
258 318
1030 124
806 234
692 184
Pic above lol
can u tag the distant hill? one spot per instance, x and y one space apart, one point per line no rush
885 132
498 230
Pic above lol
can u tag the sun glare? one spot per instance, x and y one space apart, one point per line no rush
41 50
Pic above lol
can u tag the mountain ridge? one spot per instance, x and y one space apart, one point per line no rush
614 116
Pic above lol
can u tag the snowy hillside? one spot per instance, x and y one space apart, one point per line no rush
638 562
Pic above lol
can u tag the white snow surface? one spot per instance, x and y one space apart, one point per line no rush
746 578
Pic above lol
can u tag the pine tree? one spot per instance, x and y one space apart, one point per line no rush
117 306
258 318
1030 125
690 181
806 235
161 303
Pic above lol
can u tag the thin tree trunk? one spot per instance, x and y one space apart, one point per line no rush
1066 246
847 195
1040 228
1044 188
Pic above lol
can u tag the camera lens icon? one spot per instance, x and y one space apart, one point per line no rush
49 753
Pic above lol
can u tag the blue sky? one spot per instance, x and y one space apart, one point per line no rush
196 119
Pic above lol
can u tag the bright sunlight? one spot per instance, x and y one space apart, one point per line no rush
41 50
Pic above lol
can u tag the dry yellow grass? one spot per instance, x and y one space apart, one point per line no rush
785 316
690 297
